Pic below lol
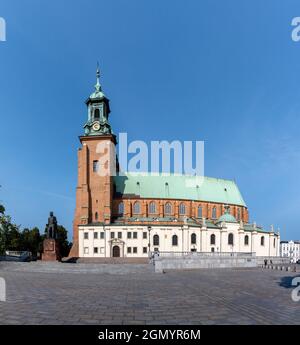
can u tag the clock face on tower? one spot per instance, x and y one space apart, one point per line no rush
96 126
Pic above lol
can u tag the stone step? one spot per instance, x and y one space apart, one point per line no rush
79 268
114 260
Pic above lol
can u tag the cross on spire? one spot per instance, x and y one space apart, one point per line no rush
98 85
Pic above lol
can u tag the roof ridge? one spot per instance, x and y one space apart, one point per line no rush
160 174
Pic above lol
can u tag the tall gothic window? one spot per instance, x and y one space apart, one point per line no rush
96 216
262 241
121 209
213 239
214 213
136 208
174 240
193 238
96 115
156 240
182 209
230 239
199 211
246 242
168 208
152 207
274 243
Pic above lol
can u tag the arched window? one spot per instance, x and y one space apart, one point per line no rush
214 213
274 243
182 209
136 208
199 211
230 239
156 240
96 115
193 238
152 207
213 239
246 240
96 216
262 240
121 208
168 208
174 240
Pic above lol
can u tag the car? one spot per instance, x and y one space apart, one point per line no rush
298 262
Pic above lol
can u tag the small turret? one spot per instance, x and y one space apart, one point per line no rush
98 111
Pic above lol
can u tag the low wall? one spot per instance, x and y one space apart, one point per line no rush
198 262
276 260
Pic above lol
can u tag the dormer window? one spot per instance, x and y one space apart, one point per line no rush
167 189
138 188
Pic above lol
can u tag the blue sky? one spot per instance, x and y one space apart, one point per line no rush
226 72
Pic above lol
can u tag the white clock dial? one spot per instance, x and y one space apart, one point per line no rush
96 126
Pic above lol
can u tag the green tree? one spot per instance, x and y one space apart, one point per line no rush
2 209
10 237
31 240
62 238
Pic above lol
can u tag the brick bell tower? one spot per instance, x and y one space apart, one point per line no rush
94 191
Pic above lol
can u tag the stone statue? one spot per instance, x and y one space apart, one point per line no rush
51 227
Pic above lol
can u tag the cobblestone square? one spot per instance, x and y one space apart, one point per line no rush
122 294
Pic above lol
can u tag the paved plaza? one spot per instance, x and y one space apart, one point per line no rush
45 293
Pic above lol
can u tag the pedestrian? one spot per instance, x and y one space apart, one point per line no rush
266 262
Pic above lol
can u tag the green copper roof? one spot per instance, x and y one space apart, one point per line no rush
180 187
98 93
227 217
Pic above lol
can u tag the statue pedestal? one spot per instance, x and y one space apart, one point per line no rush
51 250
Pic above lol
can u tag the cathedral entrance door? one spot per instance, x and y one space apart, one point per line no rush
116 251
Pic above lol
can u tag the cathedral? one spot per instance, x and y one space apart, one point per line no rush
132 216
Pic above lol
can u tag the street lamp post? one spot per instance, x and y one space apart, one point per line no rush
149 252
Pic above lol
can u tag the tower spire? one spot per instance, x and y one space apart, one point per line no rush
98 85
98 110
